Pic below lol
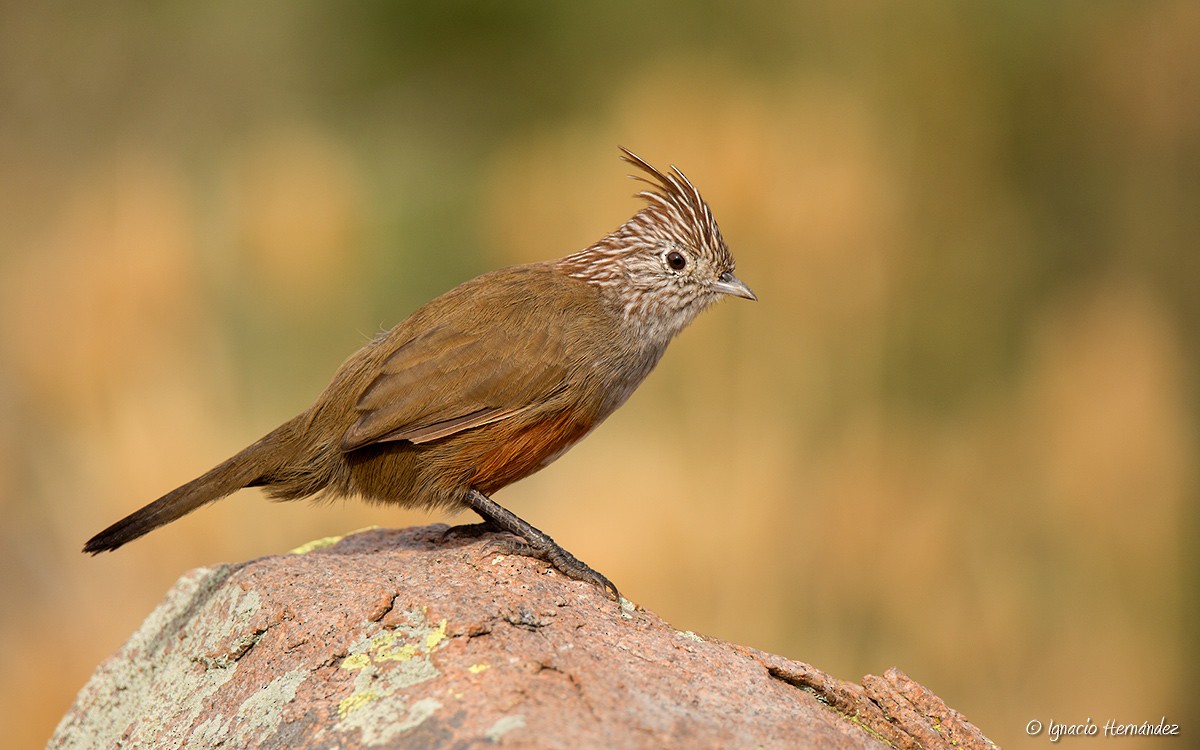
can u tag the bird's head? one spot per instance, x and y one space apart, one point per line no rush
666 264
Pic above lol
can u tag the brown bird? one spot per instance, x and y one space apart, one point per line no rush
491 381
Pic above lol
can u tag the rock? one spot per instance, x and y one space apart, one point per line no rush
410 639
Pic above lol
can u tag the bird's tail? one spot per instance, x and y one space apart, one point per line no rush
242 470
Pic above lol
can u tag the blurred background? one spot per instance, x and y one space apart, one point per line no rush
956 435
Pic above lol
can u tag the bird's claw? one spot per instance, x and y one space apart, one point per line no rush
561 560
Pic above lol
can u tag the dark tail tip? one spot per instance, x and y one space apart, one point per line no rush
115 536
244 469
162 511
101 543
96 545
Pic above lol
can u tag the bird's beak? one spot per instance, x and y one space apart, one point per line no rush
730 284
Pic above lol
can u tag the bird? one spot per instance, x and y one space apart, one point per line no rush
491 381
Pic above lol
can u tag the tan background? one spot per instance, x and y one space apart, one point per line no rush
956 434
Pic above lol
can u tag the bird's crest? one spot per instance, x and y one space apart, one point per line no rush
675 215
677 201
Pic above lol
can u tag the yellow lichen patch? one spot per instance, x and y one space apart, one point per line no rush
403 653
437 636
315 544
477 668
387 647
327 541
356 661
390 646
348 705
378 695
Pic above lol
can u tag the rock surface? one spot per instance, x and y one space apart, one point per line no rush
411 639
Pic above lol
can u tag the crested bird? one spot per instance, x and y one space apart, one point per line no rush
491 381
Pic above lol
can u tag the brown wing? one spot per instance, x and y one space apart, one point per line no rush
460 373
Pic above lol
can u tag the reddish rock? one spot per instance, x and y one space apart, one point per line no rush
405 639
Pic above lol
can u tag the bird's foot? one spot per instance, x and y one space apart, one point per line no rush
529 541
562 560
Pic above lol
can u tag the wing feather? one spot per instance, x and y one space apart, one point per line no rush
460 373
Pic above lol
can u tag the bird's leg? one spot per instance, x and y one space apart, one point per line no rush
535 542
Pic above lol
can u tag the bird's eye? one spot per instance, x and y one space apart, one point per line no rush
676 260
